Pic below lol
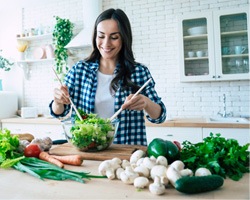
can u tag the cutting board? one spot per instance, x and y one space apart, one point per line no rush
115 150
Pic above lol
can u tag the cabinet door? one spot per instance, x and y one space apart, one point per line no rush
231 32
55 132
20 128
196 47
193 135
240 134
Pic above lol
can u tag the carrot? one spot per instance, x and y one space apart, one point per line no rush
46 157
69 159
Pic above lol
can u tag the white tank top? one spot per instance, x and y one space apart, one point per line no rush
104 101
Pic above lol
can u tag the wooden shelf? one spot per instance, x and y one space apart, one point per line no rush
34 61
36 37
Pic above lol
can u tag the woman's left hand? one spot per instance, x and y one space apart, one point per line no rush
139 102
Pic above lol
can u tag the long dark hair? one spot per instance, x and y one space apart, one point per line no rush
126 57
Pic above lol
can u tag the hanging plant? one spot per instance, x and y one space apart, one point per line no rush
5 64
62 34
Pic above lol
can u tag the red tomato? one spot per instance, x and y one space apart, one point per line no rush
32 150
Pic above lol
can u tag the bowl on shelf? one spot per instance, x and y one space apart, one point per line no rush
198 30
90 137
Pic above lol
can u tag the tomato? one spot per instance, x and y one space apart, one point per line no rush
32 150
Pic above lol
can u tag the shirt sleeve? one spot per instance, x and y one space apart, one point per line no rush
66 110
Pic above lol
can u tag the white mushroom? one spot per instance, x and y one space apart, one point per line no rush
139 162
118 172
108 167
142 170
162 160
160 171
202 172
136 156
157 187
141 182
128 176
178 165
186 172
125 163
173 175
149 163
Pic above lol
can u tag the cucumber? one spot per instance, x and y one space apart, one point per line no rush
198 184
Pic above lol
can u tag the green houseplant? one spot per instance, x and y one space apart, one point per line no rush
5 64
62 34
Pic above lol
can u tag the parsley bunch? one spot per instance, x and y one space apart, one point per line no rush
221 156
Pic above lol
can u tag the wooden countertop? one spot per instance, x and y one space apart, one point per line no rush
18 185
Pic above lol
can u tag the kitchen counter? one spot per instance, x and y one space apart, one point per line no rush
18 185
178 122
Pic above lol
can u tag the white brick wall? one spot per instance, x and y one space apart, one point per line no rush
155 43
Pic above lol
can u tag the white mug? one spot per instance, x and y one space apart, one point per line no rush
239 49
199 53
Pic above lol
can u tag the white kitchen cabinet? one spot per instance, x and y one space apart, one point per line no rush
219 34
240 134
193 135
37 130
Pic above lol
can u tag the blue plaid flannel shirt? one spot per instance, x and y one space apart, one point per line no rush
82 83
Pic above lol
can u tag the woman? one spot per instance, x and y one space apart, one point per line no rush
107 80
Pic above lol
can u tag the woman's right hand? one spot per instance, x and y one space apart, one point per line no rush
61 95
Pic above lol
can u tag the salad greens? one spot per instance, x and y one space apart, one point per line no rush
9 144
221 156
92 132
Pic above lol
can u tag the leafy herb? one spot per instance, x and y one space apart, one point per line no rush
8 148
221 156
44 170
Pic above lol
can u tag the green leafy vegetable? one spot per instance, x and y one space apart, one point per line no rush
8 148
221 156
92 132
44 170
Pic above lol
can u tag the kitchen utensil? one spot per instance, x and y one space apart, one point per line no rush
121 151
73 105
120 110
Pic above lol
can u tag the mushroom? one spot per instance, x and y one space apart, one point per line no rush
149 163
136 156
162 160
128 176
108 167
159 171
118 172
173 175
142 170
178 165
141 182
202 172
186 172
125 163
157 187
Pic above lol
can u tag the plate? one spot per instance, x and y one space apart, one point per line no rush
38 53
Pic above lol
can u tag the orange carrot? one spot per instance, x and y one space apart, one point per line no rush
46 157
69 159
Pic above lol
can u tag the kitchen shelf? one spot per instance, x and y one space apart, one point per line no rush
35 37
195 37
234 33
197 58
235 55
34 61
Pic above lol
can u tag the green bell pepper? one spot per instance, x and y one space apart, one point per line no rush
159 147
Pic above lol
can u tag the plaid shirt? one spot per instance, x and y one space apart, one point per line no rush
82 83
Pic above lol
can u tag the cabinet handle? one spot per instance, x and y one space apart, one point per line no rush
169 135
213 76
218 76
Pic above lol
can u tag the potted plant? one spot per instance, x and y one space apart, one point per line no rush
62 34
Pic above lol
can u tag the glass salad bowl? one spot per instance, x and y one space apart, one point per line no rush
95 134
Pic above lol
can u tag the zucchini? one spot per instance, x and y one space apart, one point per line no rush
198 184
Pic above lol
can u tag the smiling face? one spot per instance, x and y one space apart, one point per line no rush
108 39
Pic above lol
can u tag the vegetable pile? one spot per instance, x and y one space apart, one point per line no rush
92 133
32 159
221 156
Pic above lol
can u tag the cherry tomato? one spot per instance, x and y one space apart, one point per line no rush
32 150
